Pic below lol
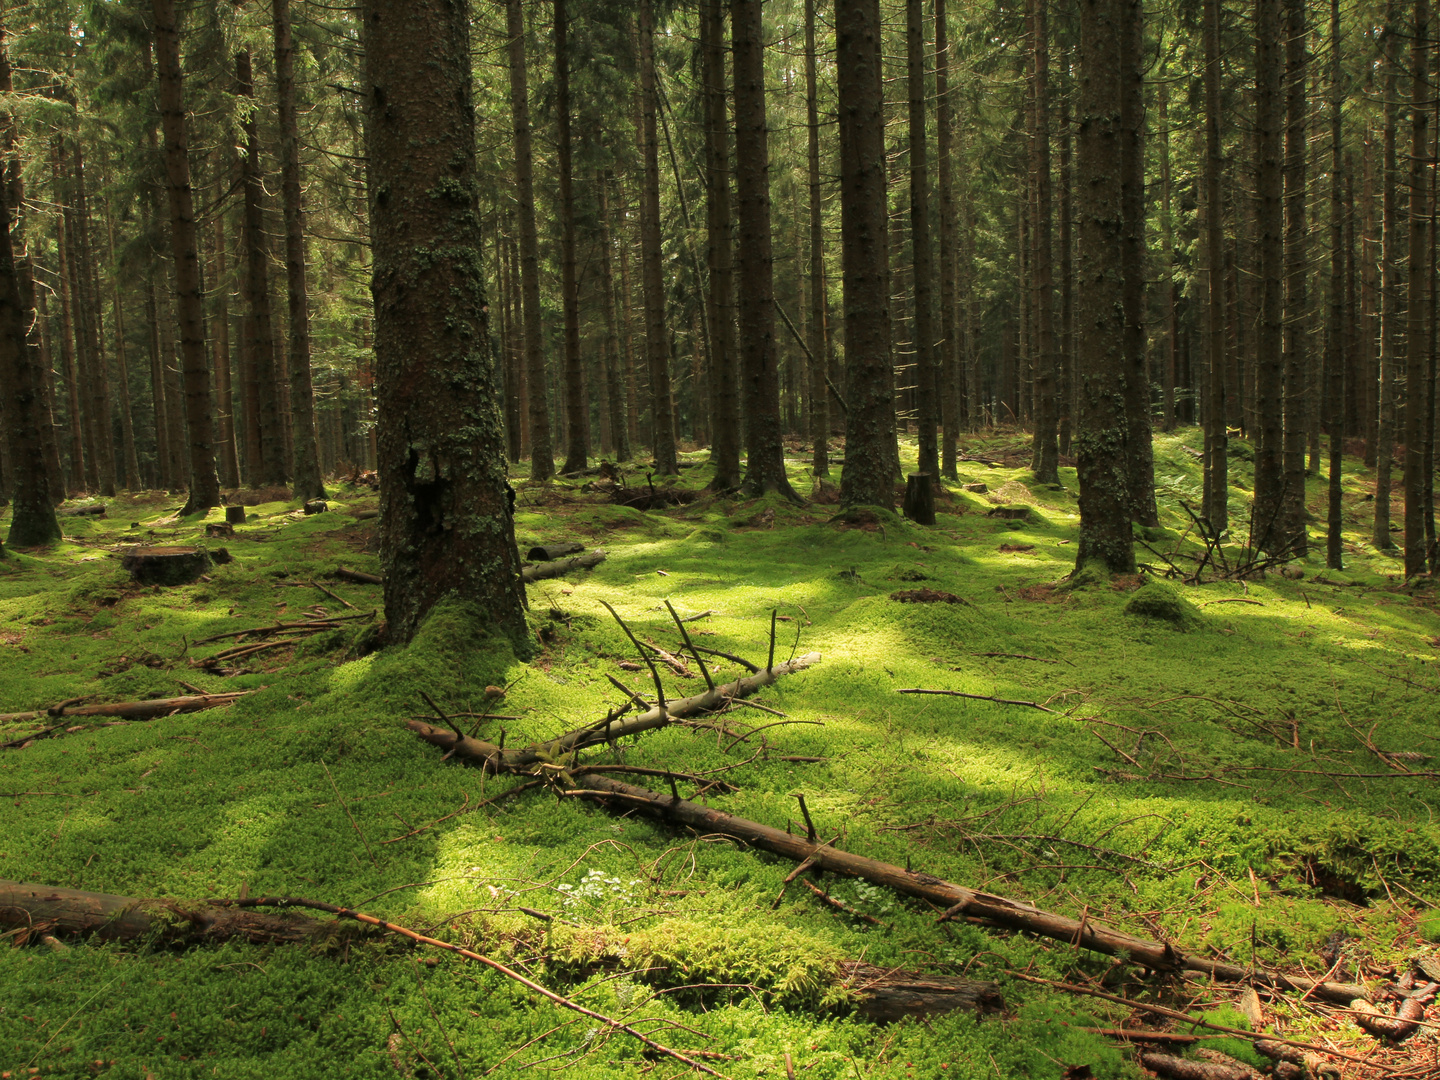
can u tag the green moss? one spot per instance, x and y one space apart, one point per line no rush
1157 600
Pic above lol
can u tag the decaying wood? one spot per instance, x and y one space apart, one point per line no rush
886 994
288 629
166 565
550 552
955 901
130 710
919 504
358 577
35 910
561 567
1407 1016
1176 1068
494 759
235 515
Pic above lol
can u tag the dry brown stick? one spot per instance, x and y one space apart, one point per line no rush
659 690
469 954
746 664
981 697
840 905
332 595
358 577
958 901
316 624
346 807
134 710
680 624
1173 1014
561 567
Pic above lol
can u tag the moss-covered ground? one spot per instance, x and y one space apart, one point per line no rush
1213 772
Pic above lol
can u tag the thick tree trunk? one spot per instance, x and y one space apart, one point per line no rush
577 403
922 254
1102 438
204 485
1416 339
32 510
627 322
868 477
1337 332
1166 281
818 328
260 340
1389 284
122 366
657 347
1292 517
1216 503
1269 340
224 394
1066 389
307 480
720 254
619 430
754 264
1140 455
542 450
76 418
89 308
1047 449
445 523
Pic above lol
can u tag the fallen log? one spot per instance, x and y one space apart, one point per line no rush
36 910
885 995
561 567
955 901
550 552
131 710
1177 1068
358 577
493 758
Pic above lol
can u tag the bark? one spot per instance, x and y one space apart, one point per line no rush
224 394
1269 337
922 256
1389 284
1292 515
1368 360
1216 504
755 263
52 447
1066 388
542 450
657 350
949 345
868 477
818 328
80 312
1140 455
307 481
1047 452
1416 339
35 910
1102 438
204 485
720 255
87 294
560 567
1337 332
75 416
614 376
1167 257
577 404
32 509
445 521
127 710
632 389
260 338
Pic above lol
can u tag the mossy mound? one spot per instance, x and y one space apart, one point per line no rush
1159 601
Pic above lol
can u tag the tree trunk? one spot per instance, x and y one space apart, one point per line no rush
260 343
224 394
1047 451
657 350
868 477
88 298
760 375
1292 517
1337 333
922 254
32 510
1216 504
577 403
1269 339
542 450
1102 437
75 416
949 374
1389 284
619 430
818 329
627 322
204 485
720 254
445 522
1416 339
1369 356
1066 389
1140 455
1167 256
308 484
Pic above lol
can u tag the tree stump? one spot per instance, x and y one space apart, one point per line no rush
219 528
551 552
166 565
93 510
316 506
235 515
1017 512
919 505
977 488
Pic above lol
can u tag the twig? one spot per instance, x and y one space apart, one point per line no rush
840 905
332 595
464 809
746 664
654 674
346 807
679 623
981 697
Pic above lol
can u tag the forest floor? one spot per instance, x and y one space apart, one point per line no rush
1254 782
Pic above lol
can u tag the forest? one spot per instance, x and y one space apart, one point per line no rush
750 538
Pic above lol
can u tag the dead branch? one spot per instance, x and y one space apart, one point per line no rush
561 567
981 697
130 710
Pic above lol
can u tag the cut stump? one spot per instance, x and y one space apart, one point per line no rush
316 506
919 505
166 565
219 528
235 515
1018 512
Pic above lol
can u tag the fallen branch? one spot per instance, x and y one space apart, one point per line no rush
131 710
982 697
956 901
358 577
495 759
561 567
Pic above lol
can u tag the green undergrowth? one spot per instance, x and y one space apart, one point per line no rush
1215 764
